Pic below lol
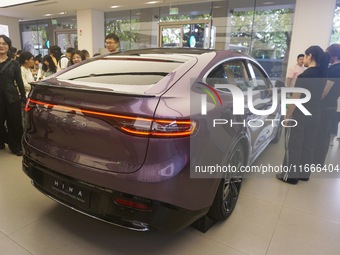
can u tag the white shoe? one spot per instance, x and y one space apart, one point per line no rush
331 140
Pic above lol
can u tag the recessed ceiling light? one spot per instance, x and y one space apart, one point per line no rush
152 2
114 6
54 14
8 3
268 3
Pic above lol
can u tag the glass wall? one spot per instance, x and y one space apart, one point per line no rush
259 28
265 34
38 35
335 38
34 37
185 26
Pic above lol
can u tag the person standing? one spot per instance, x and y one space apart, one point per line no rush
295 71
112 43
12 97
330 96
37 66
77 57
301 140
26 60
86 54
13 53
55 53
64 61
335 125
48 67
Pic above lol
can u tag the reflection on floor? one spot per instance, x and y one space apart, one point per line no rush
270 218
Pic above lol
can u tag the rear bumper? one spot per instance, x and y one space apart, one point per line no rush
98 202
179 190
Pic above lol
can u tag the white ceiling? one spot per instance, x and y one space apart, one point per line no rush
37 10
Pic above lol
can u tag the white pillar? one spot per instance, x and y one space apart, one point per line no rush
91 32
313 23
221 21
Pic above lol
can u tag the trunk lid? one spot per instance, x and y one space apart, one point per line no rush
81 126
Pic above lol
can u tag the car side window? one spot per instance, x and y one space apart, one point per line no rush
238 71
259 80
230 72
217 76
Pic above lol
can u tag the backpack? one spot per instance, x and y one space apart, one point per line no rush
59 63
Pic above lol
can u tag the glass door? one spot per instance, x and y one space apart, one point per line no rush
190 34
171 36
66 39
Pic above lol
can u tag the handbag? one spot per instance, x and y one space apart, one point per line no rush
5 66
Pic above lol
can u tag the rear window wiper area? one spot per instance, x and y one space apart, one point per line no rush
162 74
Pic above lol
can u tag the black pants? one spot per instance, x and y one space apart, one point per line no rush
324 134
301 144
335 123
3 135
11 114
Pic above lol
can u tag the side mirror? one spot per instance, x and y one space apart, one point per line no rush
279 84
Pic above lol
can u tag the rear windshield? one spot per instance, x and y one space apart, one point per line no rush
120 71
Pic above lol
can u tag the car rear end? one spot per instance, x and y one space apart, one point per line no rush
102 139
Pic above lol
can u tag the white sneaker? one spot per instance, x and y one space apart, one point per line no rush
331 141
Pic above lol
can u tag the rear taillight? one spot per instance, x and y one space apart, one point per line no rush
158 127
129 124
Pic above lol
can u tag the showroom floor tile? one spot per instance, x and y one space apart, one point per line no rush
271 218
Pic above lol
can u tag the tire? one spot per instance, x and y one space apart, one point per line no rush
229 188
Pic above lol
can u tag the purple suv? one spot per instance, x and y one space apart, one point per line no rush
120 137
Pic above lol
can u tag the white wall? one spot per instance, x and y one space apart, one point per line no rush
91 34
13 28
313 22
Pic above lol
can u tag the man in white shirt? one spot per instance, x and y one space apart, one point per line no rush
26 61
65 59
295 71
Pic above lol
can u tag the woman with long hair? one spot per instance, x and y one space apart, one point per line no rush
55 53
12 98
48 67
301 140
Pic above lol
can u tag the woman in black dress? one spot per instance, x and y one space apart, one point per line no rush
301 139
329 105
12 97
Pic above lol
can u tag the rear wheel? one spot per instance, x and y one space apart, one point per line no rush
229 188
